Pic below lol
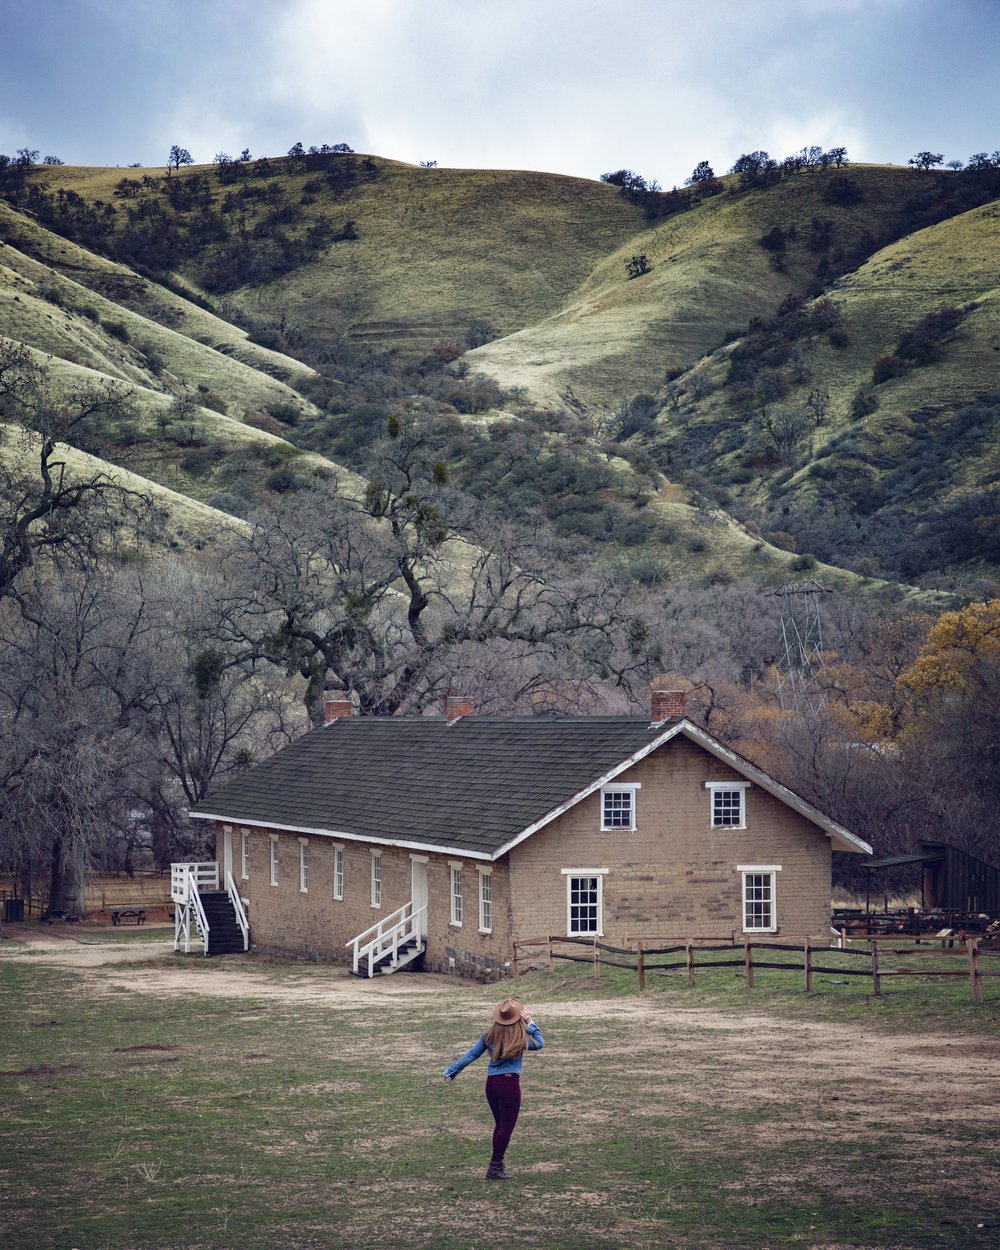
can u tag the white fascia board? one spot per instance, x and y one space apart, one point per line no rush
350 837
590 789
842 839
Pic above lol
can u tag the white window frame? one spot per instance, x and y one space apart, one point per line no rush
457 900
578 874
717 787
273 860
626 787
244 855
376 895
338 872
747 871
303 865
485 900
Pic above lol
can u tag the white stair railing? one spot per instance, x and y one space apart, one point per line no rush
241 916
185 882
386 936
205 876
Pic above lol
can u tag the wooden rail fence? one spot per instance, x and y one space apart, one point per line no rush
644 958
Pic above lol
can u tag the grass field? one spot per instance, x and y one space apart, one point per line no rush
153 1101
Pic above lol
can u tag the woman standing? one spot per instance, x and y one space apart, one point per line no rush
507 1038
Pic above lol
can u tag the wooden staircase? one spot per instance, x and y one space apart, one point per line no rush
225 937
409 955
391 944
204 910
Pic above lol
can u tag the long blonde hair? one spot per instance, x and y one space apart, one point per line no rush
506 1041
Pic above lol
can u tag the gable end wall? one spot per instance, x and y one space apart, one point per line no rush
674 875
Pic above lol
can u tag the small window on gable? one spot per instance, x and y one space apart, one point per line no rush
618 806
728 804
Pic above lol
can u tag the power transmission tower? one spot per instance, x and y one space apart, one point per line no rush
802 642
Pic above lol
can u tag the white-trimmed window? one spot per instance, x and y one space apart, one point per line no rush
455 875
244 855
338 871
304 865
618 806
273 858
729 803
760 914
585 901
376 878
485 900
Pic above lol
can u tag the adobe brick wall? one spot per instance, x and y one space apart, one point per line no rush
315 925
675 874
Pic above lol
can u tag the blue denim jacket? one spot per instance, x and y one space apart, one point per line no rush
497 1066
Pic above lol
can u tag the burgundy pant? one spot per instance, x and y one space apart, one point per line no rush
503 1093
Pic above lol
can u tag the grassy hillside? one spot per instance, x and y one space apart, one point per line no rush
430 252
878 404
771 329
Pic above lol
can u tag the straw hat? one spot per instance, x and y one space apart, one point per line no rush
509 1011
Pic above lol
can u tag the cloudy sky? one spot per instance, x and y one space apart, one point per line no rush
569 86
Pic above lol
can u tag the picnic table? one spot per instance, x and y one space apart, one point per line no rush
120 914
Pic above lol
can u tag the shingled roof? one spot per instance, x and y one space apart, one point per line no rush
474 786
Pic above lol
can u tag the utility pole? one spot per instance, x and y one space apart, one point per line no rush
802 647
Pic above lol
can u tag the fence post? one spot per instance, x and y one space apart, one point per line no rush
748 962
975 976
876 979
597 959
552 962
641 965
808 965
689 955
513 958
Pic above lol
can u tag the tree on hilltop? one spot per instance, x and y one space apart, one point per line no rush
926 160
755 169
179 156
703 179
629 182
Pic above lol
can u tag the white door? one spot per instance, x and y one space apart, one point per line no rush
227 854
418 890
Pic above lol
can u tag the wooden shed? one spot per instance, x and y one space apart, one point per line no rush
951 880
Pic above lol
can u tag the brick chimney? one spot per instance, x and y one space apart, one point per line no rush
336 706
456 705
667 704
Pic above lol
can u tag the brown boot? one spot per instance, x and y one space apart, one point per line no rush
497 1172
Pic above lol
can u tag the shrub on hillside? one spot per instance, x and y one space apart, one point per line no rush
886 367
117 329
922 344
199 462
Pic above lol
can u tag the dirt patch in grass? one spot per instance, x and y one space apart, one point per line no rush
648 1120
42 1069
124 1050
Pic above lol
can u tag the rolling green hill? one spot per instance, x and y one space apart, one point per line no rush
820 354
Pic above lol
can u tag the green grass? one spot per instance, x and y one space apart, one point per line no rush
309 1111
